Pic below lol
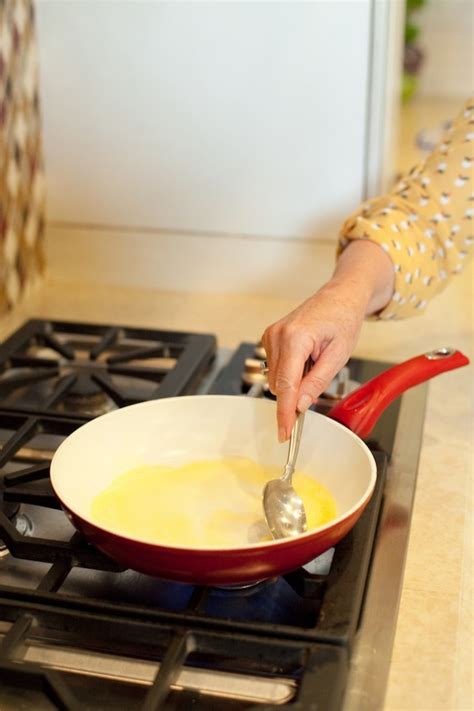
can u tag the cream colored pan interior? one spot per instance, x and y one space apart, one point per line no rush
174 431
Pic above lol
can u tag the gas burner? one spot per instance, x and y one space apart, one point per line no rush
86 370
89 405
246 588
86 398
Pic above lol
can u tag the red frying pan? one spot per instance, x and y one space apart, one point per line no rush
178 430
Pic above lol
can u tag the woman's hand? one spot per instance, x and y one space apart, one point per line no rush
325 327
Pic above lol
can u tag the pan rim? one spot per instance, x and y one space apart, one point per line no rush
359 505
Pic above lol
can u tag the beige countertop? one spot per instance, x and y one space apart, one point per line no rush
427 114
432 657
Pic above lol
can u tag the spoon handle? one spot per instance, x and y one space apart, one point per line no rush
293 448
295 436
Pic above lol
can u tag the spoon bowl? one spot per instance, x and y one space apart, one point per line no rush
284 509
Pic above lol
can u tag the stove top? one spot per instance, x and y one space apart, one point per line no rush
85 370
77 631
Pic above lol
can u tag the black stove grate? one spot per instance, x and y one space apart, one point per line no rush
292 610
228 631
296 631
176 648
76 369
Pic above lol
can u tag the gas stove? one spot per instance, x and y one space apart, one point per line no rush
78 631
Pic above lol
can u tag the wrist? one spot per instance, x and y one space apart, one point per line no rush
351 290
365 267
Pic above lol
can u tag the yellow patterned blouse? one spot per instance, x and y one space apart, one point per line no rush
426 223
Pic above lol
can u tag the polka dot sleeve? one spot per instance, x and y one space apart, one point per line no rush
426 224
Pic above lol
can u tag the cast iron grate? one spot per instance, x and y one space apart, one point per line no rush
318 672
204 634
77 369
299 628
292 609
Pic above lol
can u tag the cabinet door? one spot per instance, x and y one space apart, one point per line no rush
212 117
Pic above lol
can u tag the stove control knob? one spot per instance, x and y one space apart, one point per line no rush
260 351
253 372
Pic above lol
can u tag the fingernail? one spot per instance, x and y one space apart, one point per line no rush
303 403
282 435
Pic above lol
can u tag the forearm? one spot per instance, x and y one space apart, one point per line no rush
424 224
367 272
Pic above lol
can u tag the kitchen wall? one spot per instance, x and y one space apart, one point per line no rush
447 32
209 146
21 164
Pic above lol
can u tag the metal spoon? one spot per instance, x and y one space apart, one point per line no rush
283 508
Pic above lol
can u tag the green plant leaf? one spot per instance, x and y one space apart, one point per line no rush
412 5
411 33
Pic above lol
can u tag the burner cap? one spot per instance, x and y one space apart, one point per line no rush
87 398
85 387
93 405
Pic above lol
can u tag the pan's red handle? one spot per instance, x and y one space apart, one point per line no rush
360 410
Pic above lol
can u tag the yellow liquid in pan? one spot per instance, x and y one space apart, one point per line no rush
201 504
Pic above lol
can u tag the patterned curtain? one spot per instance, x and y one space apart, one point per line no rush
22 185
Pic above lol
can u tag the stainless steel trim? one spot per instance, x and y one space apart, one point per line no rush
440 353
371 657
276 691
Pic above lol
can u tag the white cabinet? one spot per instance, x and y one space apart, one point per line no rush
228 118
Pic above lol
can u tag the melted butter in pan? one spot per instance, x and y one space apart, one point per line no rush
206 504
